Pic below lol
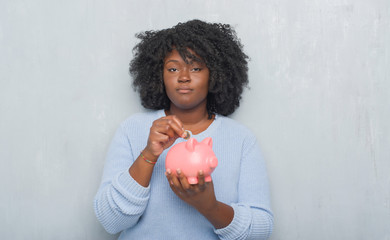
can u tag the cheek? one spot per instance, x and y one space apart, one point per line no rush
206 81
167 82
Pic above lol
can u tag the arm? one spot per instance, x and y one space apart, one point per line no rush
124 193
202 197
120 200
163 134
253 218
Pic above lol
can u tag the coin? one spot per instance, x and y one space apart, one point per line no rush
188 135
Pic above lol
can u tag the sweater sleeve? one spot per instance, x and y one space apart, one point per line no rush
253 218
120 200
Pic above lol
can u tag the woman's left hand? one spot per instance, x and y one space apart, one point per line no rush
201 196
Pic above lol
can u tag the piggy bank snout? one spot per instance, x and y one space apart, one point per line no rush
213 162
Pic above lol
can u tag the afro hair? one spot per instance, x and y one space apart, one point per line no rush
218 47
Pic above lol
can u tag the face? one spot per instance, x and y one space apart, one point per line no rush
186 84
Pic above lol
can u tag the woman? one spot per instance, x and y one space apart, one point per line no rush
192 76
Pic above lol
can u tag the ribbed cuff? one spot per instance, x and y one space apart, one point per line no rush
238 226
130 185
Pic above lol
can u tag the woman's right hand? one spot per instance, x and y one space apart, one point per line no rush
163 134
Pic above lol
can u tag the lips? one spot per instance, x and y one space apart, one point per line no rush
184 89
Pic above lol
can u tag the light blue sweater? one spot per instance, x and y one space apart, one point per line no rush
155 212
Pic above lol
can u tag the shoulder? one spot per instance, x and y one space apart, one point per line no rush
141 120
234 137
232 129
235 127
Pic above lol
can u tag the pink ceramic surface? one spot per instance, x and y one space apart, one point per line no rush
192 156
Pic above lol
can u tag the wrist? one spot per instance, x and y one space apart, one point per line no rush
149 156
220 215
209 208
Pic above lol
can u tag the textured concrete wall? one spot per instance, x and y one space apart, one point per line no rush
319 104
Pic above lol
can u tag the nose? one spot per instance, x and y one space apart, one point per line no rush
184 76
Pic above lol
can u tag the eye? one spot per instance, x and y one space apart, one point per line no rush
196 69
172 70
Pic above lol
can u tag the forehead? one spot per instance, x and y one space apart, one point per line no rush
190 56
173 54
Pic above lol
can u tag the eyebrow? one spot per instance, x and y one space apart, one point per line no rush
176 61
172 60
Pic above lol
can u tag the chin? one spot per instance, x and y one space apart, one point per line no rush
185 106
188 105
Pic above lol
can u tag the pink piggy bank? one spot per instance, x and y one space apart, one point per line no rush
191 157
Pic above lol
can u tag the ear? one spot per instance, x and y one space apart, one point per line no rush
208 141
190 144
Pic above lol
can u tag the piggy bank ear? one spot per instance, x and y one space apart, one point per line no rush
208 141
190 144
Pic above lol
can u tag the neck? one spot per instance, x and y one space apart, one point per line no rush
196 120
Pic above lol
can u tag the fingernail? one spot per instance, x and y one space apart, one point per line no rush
168 171
178 171
200 172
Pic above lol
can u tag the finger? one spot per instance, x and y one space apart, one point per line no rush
168 174
176 184
164 127
177 126
158 133
157 138
171 179
201 181
183 181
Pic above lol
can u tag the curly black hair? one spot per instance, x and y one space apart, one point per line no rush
216 44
